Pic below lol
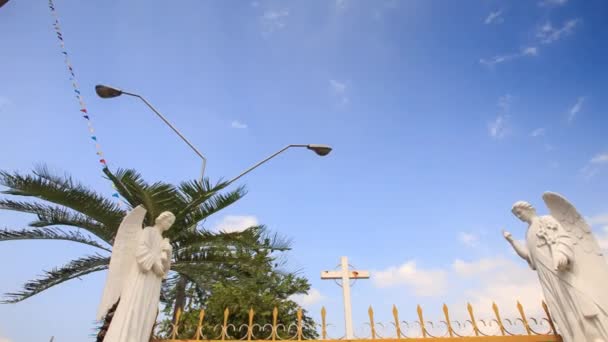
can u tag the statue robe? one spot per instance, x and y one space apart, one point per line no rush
576 297
134 318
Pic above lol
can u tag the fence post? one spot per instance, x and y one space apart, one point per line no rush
473 322
421 318
397 324
447 320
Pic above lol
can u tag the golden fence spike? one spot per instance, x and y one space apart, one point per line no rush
323 323
175 331
299 317
199 326
498 319
250 326
397 324
520 308
275 315
372 325
421 318
472 316
225 326
446 313
546 309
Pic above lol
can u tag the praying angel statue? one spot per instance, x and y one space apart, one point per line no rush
141 258
571 268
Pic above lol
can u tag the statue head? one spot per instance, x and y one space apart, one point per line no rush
524 211
165 220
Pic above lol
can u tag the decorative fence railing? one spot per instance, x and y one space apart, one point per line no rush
496 329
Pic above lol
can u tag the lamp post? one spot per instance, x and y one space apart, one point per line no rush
321 150
108 92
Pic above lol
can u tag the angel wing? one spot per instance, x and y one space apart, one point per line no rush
123 257
567 215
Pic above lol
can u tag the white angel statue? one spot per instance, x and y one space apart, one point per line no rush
571 268
140 260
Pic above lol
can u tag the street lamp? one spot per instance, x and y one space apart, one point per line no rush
321 150
107 92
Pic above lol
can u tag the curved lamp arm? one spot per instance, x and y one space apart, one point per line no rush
321 150
109 92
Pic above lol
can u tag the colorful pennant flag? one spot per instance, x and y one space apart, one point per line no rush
83 108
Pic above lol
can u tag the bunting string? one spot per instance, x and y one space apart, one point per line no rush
83 108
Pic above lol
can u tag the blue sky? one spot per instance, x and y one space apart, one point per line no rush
441 115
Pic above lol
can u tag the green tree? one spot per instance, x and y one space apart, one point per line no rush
262 286
67 210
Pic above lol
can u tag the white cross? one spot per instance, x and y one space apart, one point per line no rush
346 275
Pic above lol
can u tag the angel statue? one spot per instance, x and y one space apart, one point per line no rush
571 268
140 260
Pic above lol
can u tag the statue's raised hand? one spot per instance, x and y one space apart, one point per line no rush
507 235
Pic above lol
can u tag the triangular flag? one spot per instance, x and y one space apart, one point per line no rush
84 110
94 138
86 117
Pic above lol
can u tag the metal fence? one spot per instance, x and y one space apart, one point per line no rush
495 329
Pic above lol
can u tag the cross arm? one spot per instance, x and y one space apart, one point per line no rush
339 275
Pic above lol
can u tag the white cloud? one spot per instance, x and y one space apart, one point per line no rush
539 132
600 158
494 17
573 112
553 2
479 267
498 127
274 20
424 283
234 223
502 281
468 239
548 34
594 165
496 60
237 124
529 51
340 91
311 298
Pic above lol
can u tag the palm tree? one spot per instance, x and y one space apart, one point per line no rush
68 210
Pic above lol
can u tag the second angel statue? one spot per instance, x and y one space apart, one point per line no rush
570 265
141 258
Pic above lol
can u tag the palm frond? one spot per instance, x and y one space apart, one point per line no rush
62 191
253 238
59 216
50 234
211 206
155 198
196 193
74 269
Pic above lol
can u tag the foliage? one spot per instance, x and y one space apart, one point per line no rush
67 210
261 287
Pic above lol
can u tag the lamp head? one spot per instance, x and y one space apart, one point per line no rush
321 150
107 92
